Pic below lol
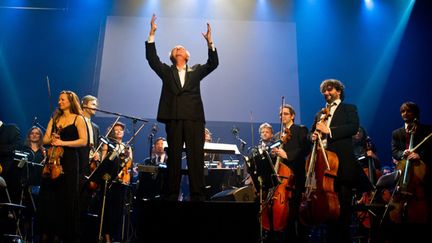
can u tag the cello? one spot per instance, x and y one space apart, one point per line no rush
373 175
408 199
276 209
320 203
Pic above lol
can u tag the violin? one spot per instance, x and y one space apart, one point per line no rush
53 168
93 164
320 202
124 176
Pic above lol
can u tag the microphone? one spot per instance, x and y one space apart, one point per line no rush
155 128
235 131
35 121
243 144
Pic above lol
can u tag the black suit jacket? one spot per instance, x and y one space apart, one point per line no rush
85 151
297 149
399 140
10 139
345 124
176 102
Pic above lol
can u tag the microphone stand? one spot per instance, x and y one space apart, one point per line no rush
117 114
150 146
106 178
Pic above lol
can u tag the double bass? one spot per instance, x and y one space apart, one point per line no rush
320 203
275 211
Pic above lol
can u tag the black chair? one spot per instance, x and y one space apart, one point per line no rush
10 231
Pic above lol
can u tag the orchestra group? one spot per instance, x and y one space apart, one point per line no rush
313 184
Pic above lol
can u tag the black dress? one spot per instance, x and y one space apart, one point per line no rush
58 210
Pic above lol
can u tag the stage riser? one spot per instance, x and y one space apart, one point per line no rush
160 221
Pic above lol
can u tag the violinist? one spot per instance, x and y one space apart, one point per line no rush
34 145
337 133
293 154
58 211
31 175
120 159
410 113
89 158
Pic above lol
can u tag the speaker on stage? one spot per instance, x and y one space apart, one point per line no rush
242 194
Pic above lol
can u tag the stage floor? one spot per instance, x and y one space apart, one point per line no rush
165 221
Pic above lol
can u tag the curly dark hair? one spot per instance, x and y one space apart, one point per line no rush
333 83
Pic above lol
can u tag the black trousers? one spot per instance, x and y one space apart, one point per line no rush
191 133
339 231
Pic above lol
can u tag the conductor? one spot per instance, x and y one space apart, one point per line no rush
181 110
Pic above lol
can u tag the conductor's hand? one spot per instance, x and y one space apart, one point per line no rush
207 35
153 25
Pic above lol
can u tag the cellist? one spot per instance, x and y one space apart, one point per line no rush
293 154
337 133
410 113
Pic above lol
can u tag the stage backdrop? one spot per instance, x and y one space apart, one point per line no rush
258 65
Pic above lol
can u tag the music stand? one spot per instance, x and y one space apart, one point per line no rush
260 167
